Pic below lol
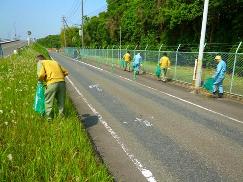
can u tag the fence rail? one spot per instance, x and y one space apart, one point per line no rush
182 63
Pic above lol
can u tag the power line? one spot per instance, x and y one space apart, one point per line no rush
74 4
74 13
73 8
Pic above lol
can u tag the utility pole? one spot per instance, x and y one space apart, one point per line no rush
15 34
63 21
201 47
82 23
120 42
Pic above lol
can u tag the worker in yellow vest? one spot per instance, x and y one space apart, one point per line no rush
53 74
127 58
164 64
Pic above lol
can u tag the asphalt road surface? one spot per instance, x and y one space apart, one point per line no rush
8 48
146 130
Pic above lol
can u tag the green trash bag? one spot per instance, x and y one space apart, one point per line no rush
208 84
39 103
157 71
122 63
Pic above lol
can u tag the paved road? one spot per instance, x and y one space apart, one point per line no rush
149 131
8 48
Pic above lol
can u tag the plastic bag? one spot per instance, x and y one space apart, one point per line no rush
39 103
157 71
208 84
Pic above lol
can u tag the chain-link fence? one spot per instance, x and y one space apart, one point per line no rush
182 63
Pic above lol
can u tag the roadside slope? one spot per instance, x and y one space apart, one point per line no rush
31 149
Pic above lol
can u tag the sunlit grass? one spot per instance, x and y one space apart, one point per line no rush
31 149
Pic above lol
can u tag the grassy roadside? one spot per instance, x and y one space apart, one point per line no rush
31 149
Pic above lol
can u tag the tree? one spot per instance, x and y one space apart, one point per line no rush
71 36
169 22
50 41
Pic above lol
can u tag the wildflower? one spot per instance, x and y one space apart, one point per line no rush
12 111
10 157
13 121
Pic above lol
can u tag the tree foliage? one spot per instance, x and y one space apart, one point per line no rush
155 22
71 38
51 41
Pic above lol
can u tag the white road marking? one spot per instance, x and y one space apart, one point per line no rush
92 86
145 122
145 172
96 86
165 93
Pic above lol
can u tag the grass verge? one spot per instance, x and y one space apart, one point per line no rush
31 149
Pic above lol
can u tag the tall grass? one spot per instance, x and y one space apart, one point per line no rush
31 149
40 49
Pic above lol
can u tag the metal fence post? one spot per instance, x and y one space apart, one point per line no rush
134 50
233 73
112 59
176 61
95 52
159 52
85 51
120 52
100 51
145 56
107 52
92 52
99 55
103 54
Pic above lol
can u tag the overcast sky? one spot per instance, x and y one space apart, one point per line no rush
43 17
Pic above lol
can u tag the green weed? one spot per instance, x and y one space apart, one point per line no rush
31 149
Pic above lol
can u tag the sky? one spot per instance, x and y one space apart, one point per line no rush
43 17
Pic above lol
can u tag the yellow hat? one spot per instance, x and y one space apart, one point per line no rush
217 57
